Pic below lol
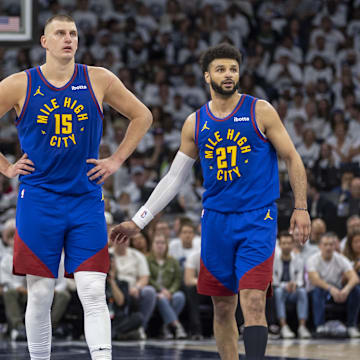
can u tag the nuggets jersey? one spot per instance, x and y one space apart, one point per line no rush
59 129
239 164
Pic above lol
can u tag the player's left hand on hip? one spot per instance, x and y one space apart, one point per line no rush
103 169
300 226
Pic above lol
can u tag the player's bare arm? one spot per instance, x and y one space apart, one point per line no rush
270 124
167 188
108 88
12 96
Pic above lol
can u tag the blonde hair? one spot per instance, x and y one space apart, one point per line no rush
60 17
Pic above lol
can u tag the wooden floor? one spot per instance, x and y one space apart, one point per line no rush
188 350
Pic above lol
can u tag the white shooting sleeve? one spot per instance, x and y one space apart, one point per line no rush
165 190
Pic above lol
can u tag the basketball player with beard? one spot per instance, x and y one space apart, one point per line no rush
237 138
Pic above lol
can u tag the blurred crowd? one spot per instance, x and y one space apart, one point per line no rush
303 57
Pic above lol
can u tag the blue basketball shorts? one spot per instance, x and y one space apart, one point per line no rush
237 251
48 222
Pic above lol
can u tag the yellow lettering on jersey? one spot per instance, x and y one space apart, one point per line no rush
242 141
228 174
54 103
42 119
236 171
245 149
212 142
230 134
53 141
209 146
44 111
209 154
67 102
73 104
82 117
217 136
236 136
58 140
78 109
72 138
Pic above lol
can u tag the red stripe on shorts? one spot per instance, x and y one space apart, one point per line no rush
209 285
26 262
259 277
99 262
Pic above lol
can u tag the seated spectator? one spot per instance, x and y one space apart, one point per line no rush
352 225
318 204
131 266
165 277
141 242
163 227
193 299
352 249
288 280
15 290
325 173
14 287
309 150
341 194
318 229
333 279
354 198
181 248
125 323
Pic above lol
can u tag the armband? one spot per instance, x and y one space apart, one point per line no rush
142 217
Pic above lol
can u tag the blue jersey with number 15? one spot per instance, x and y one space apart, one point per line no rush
238 162
59 129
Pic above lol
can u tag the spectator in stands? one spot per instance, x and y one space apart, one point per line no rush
165 277
352 225
163 227
288 280
318 229
138 189
181 248
309 150
354 198
318 204
14 287
352 249
141 242
324 170
193 299
340 141
125 323
343 192
333 279
131 266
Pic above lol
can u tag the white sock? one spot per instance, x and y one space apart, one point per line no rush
91 290
37 316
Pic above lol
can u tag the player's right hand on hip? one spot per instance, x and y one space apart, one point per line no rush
23 166
120 233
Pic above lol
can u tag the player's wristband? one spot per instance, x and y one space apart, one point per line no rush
142 217
302 209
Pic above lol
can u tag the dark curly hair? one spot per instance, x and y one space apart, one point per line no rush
221 51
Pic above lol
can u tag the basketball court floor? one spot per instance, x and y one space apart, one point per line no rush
189 350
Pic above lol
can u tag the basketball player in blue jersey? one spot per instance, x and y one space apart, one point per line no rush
60 203
236 137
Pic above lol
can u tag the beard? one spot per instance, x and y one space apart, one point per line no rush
226 93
